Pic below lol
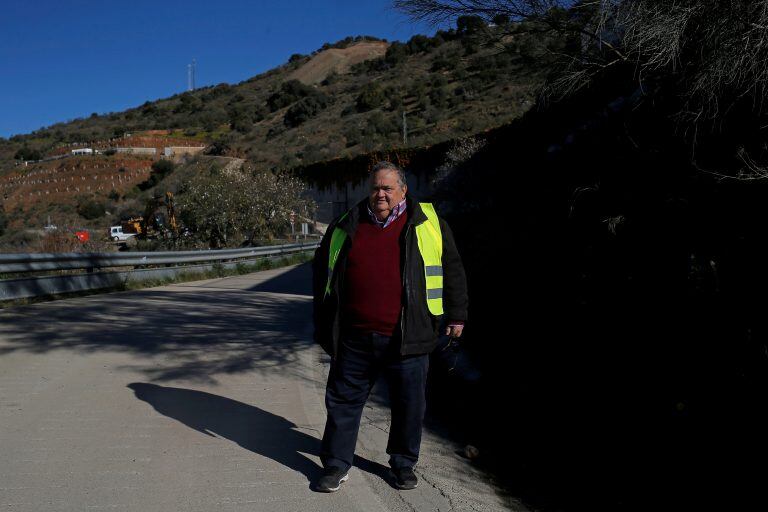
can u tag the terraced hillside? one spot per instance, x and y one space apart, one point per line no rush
358 96
62 183
57 186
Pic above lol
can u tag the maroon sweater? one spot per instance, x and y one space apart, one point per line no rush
373 287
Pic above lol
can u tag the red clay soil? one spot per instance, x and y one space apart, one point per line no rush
61 181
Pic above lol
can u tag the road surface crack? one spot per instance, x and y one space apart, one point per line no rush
373 423
439 489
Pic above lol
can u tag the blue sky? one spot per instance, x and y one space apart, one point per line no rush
68 58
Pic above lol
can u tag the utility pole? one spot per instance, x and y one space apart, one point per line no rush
405 130
191 75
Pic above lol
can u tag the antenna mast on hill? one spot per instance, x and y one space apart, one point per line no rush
191 75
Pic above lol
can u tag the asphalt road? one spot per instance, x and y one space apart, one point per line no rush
194 397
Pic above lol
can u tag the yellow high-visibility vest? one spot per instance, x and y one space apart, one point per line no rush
431 248
430 242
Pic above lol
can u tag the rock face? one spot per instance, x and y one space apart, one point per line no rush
338 60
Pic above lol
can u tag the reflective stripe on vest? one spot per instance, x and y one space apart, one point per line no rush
430 242
431 248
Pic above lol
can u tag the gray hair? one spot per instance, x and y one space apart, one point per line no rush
389 166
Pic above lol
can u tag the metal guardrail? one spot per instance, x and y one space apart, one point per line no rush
94 278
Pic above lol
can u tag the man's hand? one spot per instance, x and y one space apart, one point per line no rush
454 331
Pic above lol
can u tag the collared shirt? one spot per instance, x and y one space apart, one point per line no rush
396 212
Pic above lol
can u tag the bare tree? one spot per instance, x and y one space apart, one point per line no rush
718 50
586 23
439 11
714 51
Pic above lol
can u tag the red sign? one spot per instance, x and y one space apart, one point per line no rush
83 236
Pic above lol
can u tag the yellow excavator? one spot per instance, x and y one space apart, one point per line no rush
132 225
154 222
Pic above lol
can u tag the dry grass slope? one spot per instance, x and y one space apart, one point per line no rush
339 60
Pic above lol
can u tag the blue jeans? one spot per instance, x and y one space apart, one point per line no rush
361 359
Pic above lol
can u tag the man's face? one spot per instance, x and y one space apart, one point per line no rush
386 193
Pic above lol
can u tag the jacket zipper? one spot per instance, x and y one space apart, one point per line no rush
337 320
405 287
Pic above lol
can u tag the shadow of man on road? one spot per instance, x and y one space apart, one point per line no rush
252 428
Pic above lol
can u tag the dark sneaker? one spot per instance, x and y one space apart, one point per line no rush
331 479
405 478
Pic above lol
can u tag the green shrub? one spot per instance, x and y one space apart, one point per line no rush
396 53
468 25
330 78
379 124
148 109
218 91
26 153
90 209
241 124
209 123
218 148
305 109
160 169
276 131
237 98
312 153
260 113
188 103
348 110
352 135
163 167
240 119
289 92
371 96
420 43
393 97
439 97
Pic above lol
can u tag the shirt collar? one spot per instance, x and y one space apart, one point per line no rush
393 215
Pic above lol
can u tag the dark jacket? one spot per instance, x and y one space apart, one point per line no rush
419 329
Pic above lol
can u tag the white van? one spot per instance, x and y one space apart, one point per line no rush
116 234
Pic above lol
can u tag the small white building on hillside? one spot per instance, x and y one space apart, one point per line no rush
137 151
182 150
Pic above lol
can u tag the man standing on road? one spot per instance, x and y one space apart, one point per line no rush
387 278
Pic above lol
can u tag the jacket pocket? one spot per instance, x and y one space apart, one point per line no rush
421 324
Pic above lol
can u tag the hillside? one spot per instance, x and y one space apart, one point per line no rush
343 100
447 84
